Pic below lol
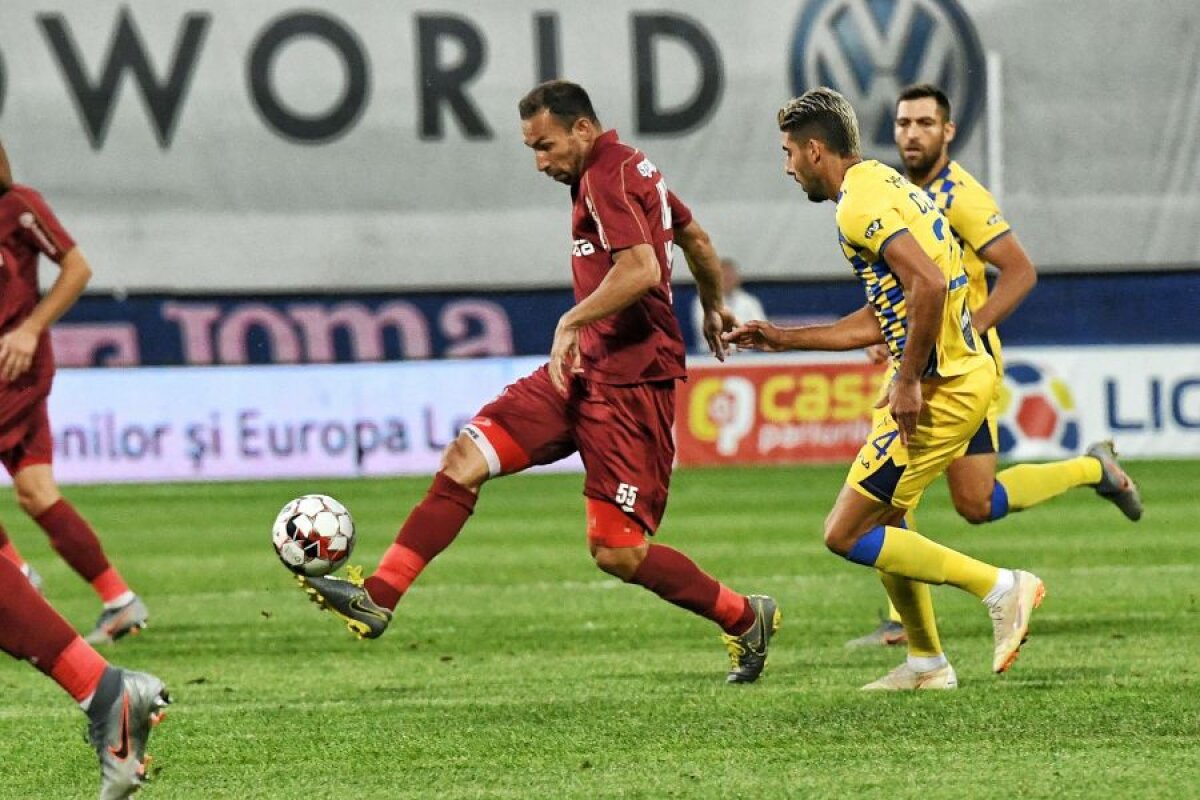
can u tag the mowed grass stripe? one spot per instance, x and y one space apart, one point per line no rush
515 669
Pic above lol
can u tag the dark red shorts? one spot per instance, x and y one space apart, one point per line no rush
622 433
25 438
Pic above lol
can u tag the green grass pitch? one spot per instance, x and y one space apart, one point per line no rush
515 669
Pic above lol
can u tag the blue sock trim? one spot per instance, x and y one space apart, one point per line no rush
866 549
999 501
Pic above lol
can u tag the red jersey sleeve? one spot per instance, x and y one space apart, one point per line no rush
681 215
619 204
39 227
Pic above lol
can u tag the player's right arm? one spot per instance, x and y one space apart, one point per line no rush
975 216
851 332
1016 279
634 272
705 266
925 300
17 347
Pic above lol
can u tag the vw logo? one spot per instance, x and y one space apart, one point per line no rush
871 49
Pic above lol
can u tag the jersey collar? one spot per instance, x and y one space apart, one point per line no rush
603 142
941 176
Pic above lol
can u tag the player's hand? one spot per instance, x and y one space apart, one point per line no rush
716 322
565 358
904 401
878 354
755 335
16 352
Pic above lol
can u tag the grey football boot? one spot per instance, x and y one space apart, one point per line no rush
347 598
748 652
124 709
1115 484
887 634
115 623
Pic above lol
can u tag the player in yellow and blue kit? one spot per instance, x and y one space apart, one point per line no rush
902 250
923 133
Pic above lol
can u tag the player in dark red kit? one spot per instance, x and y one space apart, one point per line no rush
608 391
121 706
29 229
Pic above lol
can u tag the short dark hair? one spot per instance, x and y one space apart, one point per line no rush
566 102
919 91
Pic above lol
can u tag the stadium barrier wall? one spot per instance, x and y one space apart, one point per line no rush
366 144
1053 402
153 330
203 423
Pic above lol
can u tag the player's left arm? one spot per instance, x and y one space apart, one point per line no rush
705 266
634 272
853 331
1017 277
18 346
925 300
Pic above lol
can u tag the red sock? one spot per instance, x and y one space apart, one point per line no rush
8 551
675 578
109 585
429 529
30 629
78 669
74 540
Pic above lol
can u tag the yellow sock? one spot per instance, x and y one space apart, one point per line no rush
910 522
910 555
914 599
1030 484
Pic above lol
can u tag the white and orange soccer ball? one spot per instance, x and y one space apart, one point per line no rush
313 535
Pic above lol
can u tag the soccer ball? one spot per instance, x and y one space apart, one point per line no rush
1037 414
313 535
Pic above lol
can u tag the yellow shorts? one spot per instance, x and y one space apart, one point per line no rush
955 410
987 438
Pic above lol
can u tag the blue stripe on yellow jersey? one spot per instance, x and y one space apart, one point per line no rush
875 205
976 221
973 216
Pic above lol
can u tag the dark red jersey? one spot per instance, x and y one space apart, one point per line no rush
28 229
620 201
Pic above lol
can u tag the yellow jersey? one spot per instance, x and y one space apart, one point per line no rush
976 222
875 204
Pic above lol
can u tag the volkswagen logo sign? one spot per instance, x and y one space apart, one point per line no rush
871 49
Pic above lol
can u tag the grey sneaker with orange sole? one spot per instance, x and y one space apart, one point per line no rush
125 708
1115 484
116 623
888 633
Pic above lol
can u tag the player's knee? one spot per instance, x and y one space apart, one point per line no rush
34 500
621 562
464 464
617 541
974 508
837 538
